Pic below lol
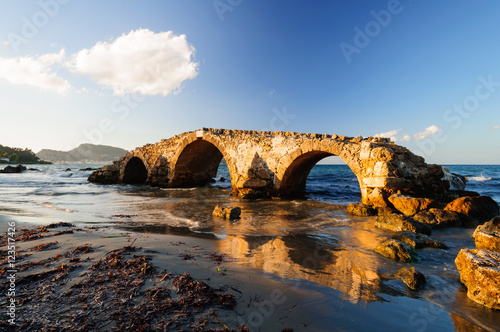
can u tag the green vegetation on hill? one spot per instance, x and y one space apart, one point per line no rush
19 156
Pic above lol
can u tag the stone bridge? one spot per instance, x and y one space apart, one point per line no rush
276 164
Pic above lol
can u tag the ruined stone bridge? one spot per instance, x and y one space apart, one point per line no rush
275 164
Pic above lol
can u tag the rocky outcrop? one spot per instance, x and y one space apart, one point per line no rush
408 205
439 218
418 241
227 212
396 250
397 223
411 277
480 273
361 210
479 209
13 169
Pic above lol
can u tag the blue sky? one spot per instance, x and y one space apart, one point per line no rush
127 73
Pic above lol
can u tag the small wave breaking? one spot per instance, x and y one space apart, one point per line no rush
480 178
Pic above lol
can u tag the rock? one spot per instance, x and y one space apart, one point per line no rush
480 273
410 205
411 277
67 170
105 175
491 226
361 210
222 179
438 218
487 240
418 241
13 169
457 181
397 223
377 198
396 250
479 208
227 212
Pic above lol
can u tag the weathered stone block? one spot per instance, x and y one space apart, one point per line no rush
480 273
410 205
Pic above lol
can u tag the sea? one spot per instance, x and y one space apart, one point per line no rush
310 240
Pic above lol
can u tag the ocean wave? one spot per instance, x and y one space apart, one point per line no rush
53 207
480 178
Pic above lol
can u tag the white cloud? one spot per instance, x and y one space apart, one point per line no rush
406 138
272 92
35 71
429 131
495 127
141 62
5 42
390 134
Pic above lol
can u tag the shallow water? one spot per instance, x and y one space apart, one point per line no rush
309 242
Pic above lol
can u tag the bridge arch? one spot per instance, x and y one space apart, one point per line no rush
197 160
135 171
294 178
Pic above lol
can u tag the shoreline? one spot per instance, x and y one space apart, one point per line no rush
264 301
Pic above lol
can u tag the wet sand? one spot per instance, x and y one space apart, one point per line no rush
100 278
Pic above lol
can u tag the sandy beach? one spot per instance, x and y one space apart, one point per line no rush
90 278
97 278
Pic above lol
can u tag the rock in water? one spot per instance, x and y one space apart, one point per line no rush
410 205
487 240
227 212
480 273
396 250
438 218
411 277
14 169
361 210
491 226
418 241
479 208
397 223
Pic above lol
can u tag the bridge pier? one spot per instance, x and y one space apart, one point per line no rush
275 164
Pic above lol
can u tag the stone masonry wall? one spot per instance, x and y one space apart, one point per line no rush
267 164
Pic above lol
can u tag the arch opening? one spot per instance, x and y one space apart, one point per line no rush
334 179
197 165
135 172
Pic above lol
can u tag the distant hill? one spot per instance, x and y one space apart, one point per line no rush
18 155
83 153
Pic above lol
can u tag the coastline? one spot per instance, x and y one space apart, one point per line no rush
264 302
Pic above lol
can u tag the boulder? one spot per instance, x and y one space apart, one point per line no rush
438 218
418 241
410 205
491 226
105 175
478 208
487 240
397 223
411 277
361 210
480 273
396 250
227 212
13 169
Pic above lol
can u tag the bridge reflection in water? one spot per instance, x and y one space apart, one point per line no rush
299 257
